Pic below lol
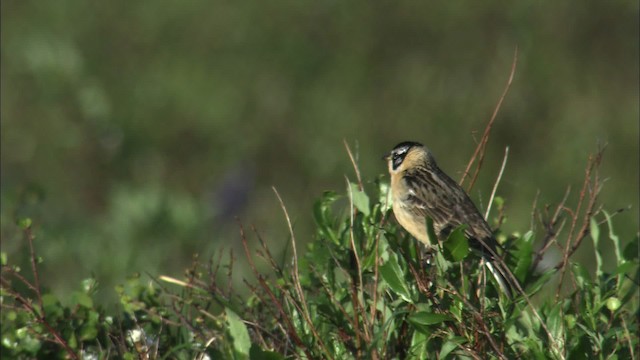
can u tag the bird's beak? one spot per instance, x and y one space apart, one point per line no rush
386 156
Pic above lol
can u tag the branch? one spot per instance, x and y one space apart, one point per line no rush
485 136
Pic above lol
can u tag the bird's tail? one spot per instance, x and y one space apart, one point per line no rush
501 274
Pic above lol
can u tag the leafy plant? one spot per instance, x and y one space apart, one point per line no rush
363 289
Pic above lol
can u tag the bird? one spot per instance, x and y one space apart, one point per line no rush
420 189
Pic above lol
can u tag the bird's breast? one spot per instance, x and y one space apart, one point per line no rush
414 224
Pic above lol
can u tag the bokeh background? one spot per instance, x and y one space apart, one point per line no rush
133 133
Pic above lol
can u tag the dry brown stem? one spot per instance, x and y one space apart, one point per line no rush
480 149
37 311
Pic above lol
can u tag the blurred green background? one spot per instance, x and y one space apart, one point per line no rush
134 132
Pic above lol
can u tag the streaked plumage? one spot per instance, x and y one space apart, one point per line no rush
420 189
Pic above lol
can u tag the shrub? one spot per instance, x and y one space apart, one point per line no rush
362 290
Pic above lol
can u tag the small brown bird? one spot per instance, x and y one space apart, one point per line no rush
420 189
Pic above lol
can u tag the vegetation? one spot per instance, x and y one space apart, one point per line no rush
362 290
132 136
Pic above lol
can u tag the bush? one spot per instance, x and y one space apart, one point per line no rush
362 290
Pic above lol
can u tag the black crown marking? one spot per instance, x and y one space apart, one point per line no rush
400 151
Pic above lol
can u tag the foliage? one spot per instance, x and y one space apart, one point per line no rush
362 290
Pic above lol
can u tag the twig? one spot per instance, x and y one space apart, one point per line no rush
335 301
513 281
626 330
351 235
355 165
592 167
262 300
230 273
290 328
34 269
376 275
485 136
307 319
357 258
296 278
213 272
551 230
269 256
479 320
38 314
495 186
376 263
533 210
296 272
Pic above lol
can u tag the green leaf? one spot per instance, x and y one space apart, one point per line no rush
88 332
593 227
442 264
360 199
582 275
593 335
582 350
614 238
418 349
624 268
131 356
456 247
386 202
382 253
392 275
570 320
422 320
524 256
73 341
428 318
24 223
89 285
595 236
30 343
82 299
52 307
50 300
540 282
555 323
632 249
321 214
238 330
258 354
450 345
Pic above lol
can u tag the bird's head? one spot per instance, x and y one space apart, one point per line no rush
408 154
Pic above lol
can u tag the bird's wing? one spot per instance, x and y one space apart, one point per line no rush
435 194
426 196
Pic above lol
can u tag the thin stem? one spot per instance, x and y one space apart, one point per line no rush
296 278
485 136
355 165
34 269
495 186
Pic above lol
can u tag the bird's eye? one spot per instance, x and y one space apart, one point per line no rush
398 157
399 153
